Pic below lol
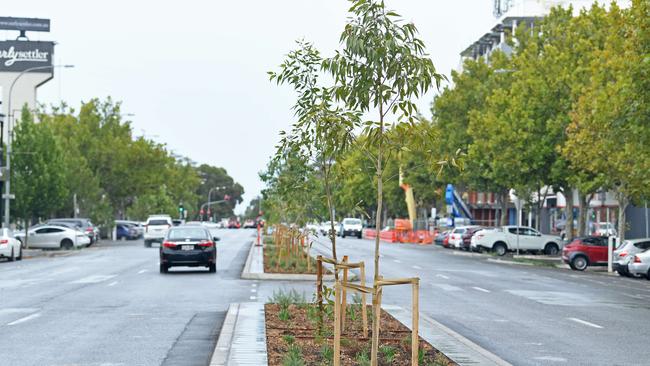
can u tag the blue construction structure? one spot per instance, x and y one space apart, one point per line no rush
458 208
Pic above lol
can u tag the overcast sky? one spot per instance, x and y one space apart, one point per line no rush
193 72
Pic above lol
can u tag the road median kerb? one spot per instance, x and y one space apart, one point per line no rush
235 339
254 269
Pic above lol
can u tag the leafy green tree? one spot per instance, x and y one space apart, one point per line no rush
37 171
223 184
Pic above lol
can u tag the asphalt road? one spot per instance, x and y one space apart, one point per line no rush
109 305
526 315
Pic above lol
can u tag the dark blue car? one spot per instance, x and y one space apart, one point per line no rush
124 231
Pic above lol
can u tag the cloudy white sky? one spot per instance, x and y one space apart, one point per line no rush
193 72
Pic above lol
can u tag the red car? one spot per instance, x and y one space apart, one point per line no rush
467 237
233 224
584 252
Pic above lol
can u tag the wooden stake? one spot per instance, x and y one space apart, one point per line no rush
376 309
344 298
415 339
364 311
337 324
319 287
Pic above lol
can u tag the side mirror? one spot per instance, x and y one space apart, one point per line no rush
216 239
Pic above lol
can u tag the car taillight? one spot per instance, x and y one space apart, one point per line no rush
622 254
89 229
168 244
206 244
4 241
637 259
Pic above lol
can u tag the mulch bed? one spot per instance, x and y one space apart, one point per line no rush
293 264
301 330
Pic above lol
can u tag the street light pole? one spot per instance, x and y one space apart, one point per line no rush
7 195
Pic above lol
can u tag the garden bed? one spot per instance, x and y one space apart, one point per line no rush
289 263
293 338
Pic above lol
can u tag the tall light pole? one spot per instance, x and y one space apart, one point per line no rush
7 196
210 195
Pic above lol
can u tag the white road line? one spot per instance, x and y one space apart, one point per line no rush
112 284
253 298
397 261
442 276
481 289
94 279
142 271
583 322
253 290
416 267
254 285
27 318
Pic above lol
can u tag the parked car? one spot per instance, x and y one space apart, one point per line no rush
505 238
191 246
177 222
156 228
10 247
584 252
351 226
137 225
54 236
456 236
234 223
326 227
312 228
249 224
440 237
640 265
84 225
604 229
625 252
466 240
126 231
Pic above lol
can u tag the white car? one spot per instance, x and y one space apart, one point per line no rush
456 236
326 227
53 237
156 229
605 229
505 239
640 265
312 228
10 247
352 227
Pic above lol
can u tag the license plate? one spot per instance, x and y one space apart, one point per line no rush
188 247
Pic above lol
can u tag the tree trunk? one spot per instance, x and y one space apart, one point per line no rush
504 208
568 227
582 213
623 202
330 208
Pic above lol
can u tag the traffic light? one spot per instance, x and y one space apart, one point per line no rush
181 209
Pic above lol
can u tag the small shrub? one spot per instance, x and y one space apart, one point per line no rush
289 339
293 357
284 298
327 353
363 359
388 352
284 315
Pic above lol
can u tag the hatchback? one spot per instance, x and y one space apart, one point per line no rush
626 252
191 246
586 251
640 265
84 225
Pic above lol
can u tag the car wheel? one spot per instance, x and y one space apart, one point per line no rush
342 235
164 268
647 275
500 249
20 253
212 268
147 244
551 249
359 235
12 256
66 244
579 263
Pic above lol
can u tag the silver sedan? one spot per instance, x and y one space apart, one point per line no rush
54 237
640 265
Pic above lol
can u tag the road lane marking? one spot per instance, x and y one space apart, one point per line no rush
254 285
112 284
481 289
253 298
446 287
584 322
442 276
27 318
416 267
397 261
94 279
551 358
253 290
142 271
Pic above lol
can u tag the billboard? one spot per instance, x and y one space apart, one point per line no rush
25 24
17 56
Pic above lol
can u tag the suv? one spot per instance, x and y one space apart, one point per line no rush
84 225
352 227
584 252
156 228
506 238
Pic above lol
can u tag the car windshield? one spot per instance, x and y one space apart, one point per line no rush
352 222
187 233
158 222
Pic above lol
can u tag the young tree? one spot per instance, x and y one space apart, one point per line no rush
381 67
323 132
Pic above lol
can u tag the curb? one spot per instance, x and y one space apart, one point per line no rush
509 262
247 274
222 350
